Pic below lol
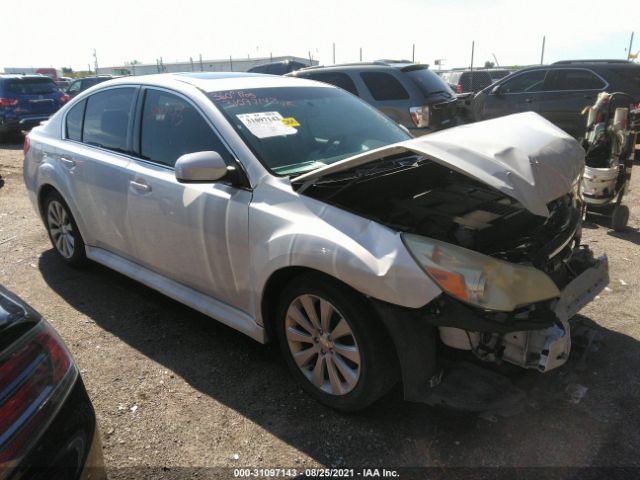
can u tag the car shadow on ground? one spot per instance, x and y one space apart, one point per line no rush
582 414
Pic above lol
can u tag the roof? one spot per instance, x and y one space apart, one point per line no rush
398 64
217 81
614 60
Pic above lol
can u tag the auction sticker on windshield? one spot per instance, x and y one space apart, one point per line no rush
266 124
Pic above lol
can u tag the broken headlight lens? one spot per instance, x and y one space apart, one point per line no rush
478 279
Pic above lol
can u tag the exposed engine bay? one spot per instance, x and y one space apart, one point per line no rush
428 199
425 198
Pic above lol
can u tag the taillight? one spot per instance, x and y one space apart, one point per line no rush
8 102
36 374
420 116
26 145
458 88
64 98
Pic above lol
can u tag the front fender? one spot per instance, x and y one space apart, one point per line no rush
291 230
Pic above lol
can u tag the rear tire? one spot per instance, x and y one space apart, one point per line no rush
620 218
63 231
334 344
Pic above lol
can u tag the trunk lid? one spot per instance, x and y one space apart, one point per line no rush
523 156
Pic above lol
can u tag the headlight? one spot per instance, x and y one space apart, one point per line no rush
479 279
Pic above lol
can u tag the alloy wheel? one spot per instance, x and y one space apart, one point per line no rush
322 344
61 228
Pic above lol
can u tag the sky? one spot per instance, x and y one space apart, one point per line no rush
57 34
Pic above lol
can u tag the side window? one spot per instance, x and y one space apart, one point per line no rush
172 127
108 117
525 82
384 86
338 79
573 79
74 121
74 87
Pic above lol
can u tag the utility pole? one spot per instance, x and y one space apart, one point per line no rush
360 53
544 40
473 47
201 69
95 61
231 63
413 54
334 53
191 62
496 59
310 59
630 47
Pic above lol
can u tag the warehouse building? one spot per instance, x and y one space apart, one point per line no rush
198 65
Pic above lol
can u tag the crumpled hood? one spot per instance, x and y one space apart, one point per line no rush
522 155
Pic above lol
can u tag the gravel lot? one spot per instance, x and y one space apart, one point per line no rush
173 388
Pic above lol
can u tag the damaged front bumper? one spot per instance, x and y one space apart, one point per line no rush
534 337
542 349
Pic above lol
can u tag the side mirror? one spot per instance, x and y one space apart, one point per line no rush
496 90
200 167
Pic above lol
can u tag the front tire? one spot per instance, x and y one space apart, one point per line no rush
334 344
63 231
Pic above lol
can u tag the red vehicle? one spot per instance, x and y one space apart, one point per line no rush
49 72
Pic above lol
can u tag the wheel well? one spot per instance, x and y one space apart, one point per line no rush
276 284
42 194
271 294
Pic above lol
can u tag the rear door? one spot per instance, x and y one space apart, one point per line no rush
567 91
95 158
519 93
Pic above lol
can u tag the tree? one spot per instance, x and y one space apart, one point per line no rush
489 64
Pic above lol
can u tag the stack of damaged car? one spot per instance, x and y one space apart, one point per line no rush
299 213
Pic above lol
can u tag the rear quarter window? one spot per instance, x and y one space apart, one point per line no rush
74 121
384 86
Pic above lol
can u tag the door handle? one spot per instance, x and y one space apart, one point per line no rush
140 186
68 162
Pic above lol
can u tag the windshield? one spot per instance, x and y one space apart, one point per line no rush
428 82
31 86
298 129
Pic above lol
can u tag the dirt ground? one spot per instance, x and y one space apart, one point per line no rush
173 388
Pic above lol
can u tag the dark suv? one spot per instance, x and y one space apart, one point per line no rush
410 94
559 92
27 100
82 84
